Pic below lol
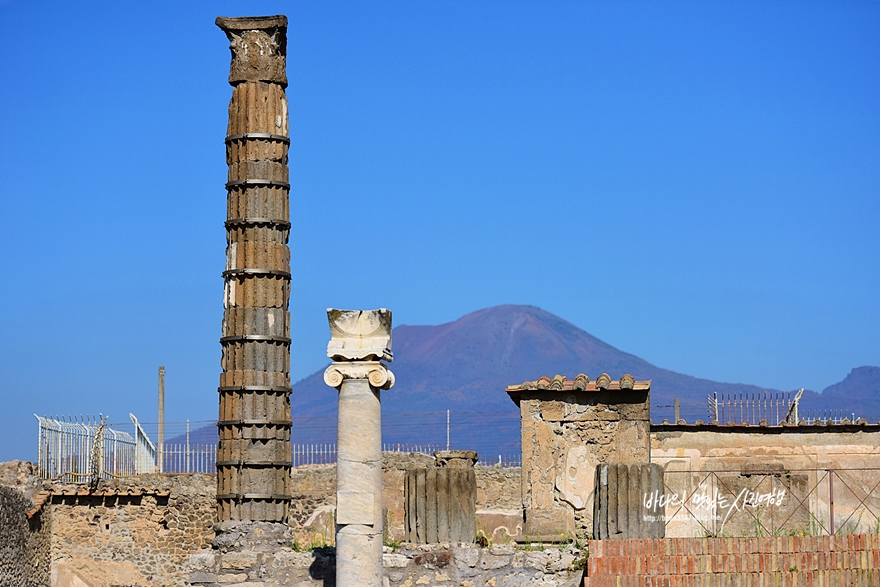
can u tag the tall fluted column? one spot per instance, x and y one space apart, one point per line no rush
360 339
253 460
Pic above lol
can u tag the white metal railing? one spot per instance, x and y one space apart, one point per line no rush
65 447
145 450
502 461
772 407
312 454
190 458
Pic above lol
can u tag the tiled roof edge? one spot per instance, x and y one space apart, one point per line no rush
582 383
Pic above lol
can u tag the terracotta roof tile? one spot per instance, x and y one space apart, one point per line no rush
581 383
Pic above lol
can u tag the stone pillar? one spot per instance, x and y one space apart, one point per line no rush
569 426
360 339
253 459
440 503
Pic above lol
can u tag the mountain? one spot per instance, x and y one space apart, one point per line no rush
465 365
858 393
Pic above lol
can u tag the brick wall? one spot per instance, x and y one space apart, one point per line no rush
832 561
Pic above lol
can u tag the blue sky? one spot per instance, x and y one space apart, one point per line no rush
696 183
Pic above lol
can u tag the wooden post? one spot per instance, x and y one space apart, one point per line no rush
160 452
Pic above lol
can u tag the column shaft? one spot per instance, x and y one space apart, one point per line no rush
358 475
253 459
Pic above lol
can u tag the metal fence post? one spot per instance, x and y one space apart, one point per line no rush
831 499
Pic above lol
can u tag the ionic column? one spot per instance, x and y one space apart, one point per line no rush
253 459
360 339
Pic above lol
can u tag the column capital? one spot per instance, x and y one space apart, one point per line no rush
259 48
378 374
359 335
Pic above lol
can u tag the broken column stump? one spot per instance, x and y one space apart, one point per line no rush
440 503
626 502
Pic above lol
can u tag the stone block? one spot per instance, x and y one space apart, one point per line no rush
490 562
535 561
202 560
394 561
238 560
500 526
202 577
547 523
296 560
468 556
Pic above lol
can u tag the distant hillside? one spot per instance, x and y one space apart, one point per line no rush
464 366
858 393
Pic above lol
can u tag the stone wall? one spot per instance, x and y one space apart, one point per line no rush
568 427
792 470
452 565
148 526
499 505
24 551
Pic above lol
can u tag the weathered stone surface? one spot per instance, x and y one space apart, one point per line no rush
238 560
259 48
619 507
253 459
466 555
569 427
359 340
494 561
394 561
440 504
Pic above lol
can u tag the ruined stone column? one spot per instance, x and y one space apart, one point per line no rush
253 459
360 339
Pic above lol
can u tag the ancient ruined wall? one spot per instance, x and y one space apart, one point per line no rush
150 524
24 550
793 471
499 503
499 509
569 427
446 565
39 548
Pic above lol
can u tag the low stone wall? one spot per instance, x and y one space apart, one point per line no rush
150 524
499 506
796 479
452 565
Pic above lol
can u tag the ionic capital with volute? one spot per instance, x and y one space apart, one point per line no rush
378 374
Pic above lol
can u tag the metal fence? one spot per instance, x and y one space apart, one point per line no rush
189 458
772 407
80 448
127 448
783 502
827 416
